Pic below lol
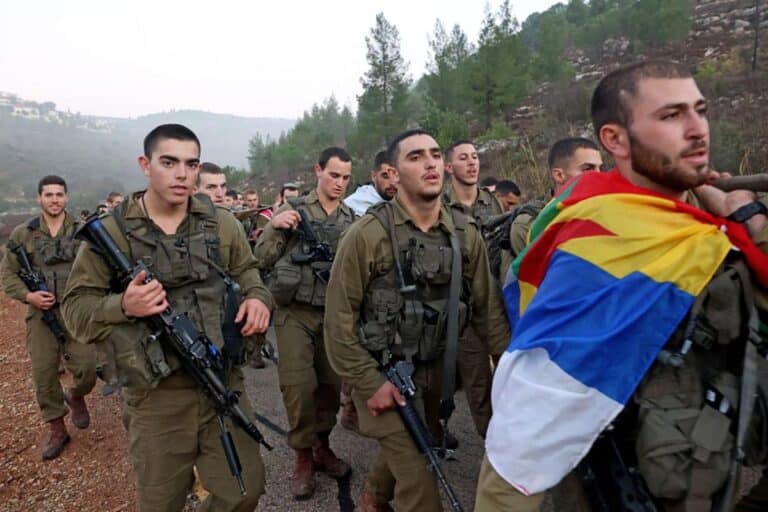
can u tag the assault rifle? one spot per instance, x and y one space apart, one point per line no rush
609 482
200 357
35 283
318 250
399 374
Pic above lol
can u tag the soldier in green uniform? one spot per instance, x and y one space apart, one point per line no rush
186 241
567 159
364 296
48 240
463 165
298 282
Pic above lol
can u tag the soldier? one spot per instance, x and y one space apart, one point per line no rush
508 194
678 339
463 164
212 182
383 186
114 199
567 159
364 296
49 241
171 424
298 281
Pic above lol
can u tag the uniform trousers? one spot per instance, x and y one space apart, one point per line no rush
45 352
174 427
309 386
400 472
474 365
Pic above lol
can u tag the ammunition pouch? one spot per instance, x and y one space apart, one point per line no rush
423 328
684 445
135 359
284 281
382 322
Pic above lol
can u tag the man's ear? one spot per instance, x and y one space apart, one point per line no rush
615 140
144 164
558 176
448 167
318 170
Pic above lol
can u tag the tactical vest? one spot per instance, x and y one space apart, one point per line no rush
132 355
688 401
412 324
306 283
53 257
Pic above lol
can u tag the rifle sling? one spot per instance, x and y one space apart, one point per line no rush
452 334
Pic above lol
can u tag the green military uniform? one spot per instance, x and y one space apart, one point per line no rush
52 256
363 296
309 386
171 424
473 361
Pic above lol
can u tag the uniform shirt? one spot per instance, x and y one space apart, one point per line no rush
91 311
484 198
13 286
365 253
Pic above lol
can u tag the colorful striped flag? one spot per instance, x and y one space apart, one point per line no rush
611 271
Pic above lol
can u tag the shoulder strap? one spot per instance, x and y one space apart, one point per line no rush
461 219
33 224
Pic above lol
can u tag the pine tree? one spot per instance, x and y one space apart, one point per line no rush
382 109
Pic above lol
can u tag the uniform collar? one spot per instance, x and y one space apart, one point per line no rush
452 199
134 209
401 215
43 226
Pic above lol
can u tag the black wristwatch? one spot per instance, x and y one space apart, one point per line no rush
748 211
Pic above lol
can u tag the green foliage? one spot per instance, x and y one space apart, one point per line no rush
322 126
497 131
382 109
235 176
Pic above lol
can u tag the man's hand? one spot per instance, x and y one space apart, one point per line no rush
41 300
256 315
141 300
288 219
385 398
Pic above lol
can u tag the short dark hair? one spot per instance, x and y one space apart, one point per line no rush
331 152
232 193
287 187
504 187
112 195
393 149
168 131
51 179
490 181
251 191
210 168
609 103
454 145
564 149
380 159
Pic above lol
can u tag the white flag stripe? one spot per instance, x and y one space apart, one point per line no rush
544 421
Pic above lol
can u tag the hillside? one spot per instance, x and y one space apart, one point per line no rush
97 155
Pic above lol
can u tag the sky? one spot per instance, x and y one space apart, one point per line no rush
252 58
